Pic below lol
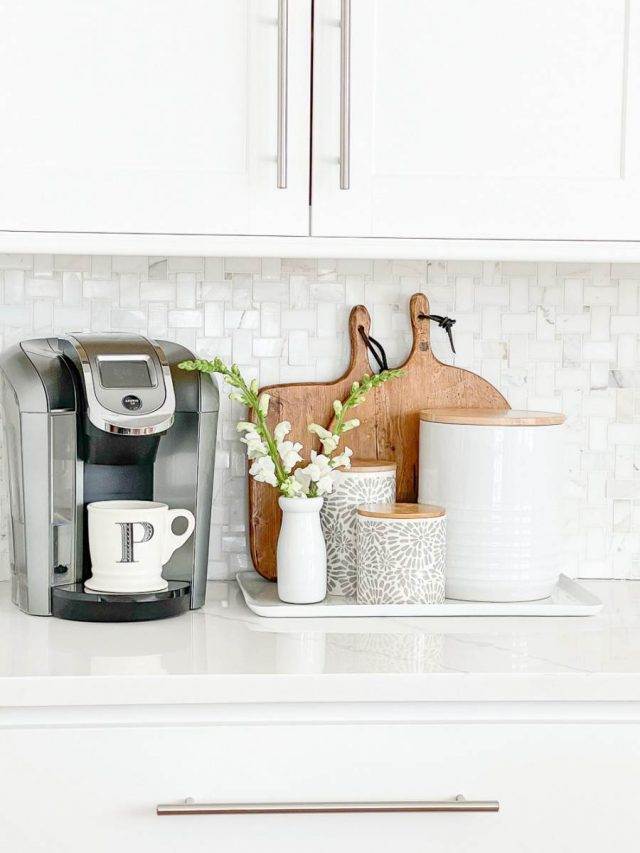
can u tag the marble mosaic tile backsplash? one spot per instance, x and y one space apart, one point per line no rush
549 336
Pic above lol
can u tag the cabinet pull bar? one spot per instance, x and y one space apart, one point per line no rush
283 93
345 94
459 804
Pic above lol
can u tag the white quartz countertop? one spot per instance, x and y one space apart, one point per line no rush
225 654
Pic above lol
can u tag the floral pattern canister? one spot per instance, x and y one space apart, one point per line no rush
366 481
401 554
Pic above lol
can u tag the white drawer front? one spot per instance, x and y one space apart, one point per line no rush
561 787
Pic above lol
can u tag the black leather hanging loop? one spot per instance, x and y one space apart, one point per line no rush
444 322
376 349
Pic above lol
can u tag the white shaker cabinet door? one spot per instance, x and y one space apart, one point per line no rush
154 116
477 119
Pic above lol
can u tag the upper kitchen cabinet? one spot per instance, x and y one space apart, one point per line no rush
488 119
155 116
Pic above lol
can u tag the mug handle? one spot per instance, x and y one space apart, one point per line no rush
175 540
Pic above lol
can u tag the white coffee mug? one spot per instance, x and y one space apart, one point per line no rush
130 542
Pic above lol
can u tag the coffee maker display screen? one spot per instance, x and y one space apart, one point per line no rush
124 373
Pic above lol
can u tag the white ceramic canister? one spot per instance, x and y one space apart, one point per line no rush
368 481
300 554
499 474
401 554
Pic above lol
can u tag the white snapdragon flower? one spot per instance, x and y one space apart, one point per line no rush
264 471
263 403
318 471
342 460
320 431
255 445
330 444
245 426
291 488
321 473
320 465
290 454
328 440
352 424
302 476
289 451
324 486
281 430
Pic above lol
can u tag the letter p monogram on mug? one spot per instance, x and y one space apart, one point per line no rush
130 542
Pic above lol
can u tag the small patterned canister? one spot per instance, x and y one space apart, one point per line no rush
367 481
401 554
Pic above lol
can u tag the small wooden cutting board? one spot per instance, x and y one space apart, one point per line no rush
389 418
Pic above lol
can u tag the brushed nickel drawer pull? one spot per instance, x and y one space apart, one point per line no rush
459 804
345 94
283 93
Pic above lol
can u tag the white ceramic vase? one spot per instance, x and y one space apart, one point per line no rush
301 552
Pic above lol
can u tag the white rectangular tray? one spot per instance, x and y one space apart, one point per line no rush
569 598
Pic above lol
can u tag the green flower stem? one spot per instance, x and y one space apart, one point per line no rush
249 399
358 390
264 432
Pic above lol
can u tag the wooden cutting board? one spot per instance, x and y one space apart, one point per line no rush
389 418
302 404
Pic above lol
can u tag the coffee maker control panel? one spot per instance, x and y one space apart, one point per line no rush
126 382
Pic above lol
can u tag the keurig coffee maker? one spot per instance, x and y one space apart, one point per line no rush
98 417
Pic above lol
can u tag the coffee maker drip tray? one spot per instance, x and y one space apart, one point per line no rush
70 601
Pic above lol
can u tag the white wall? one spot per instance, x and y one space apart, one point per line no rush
550 336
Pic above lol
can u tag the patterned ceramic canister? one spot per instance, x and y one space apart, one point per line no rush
401 554
367 481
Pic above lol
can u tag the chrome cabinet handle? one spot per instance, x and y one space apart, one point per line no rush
283 94
345 94
459 804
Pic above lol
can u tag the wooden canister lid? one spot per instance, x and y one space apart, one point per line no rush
406 511
491 417
369 466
